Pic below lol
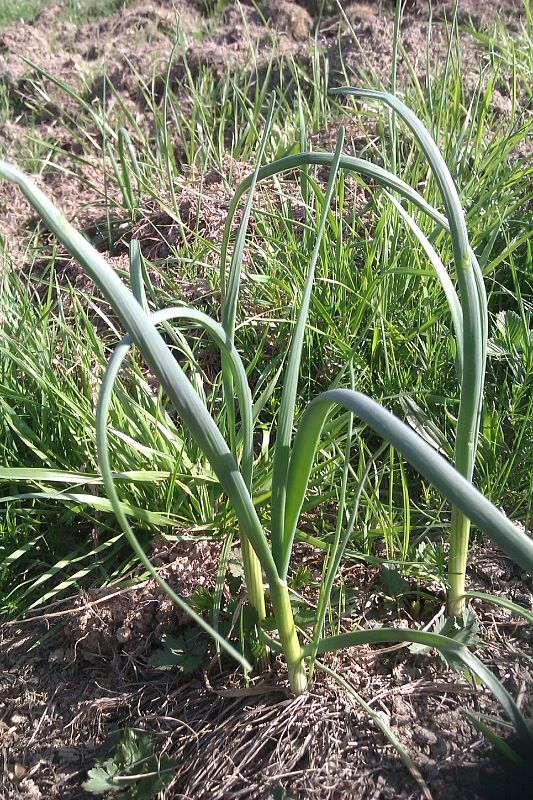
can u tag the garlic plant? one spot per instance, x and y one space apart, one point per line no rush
268 553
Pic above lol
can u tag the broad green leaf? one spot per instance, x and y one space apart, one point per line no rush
392 581
99 781
185 652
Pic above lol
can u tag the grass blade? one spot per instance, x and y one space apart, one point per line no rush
384 728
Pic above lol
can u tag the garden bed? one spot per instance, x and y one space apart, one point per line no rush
77 669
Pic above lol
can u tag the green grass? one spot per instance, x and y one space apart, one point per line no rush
75 11
24 10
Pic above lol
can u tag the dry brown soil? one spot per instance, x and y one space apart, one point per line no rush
81 669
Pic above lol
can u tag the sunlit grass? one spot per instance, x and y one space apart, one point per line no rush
374 293
76 11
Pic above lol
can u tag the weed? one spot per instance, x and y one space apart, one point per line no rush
128 768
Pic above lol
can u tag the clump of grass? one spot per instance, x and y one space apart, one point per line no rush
232 461
76 11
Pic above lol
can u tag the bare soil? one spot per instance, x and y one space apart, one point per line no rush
71 675
75 672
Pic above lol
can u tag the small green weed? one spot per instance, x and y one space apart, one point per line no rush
185 652
128 768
